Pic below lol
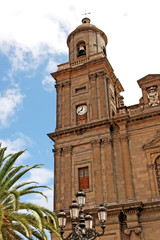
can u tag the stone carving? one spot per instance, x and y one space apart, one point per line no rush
124 138
152 96
128 231
106 141
121 101
95 143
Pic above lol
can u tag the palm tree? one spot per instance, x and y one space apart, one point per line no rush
21 220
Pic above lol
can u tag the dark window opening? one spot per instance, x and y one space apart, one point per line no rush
80 90
113 113
83 175
104 51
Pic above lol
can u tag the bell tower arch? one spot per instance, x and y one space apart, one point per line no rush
87 39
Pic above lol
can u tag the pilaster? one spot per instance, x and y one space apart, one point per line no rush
109 173
67 176
57 178
101 87
127 167
67 107
153 182
97 171
59 106
93 96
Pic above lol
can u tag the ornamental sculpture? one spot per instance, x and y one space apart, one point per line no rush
153 96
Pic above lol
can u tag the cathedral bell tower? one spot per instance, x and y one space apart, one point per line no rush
88 96
110 151
87 88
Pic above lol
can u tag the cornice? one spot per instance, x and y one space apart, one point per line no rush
77 129
82 128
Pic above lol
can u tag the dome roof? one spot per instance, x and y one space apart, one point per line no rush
87 26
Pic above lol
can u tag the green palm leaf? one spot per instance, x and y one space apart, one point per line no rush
21 220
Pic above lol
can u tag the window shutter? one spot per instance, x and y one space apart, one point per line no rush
83 178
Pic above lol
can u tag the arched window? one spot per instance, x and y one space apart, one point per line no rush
157 169
81 49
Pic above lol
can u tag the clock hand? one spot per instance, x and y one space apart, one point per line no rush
80 110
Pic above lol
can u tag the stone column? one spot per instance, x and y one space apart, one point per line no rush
93 97
57 178
59 106
109 172
67 176
127 171
97 171
101 94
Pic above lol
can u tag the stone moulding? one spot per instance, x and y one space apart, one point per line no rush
107 122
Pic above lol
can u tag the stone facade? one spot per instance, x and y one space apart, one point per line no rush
120 145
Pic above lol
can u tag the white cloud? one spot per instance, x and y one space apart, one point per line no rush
30 31
18 144
52 66
40 200
48 81
40 175
43 176
10 102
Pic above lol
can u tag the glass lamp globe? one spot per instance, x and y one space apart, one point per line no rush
102 214
88 221
74 210
61 219
81 197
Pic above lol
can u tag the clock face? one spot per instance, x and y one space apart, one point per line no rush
81 110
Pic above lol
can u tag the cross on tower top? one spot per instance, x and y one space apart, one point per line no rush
86 13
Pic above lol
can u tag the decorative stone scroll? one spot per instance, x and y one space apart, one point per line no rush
66 84
121 101
67 149
106 141
58 86
152 94
137 230
124 138
95 143
57 151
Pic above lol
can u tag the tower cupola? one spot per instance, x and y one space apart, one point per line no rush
86 40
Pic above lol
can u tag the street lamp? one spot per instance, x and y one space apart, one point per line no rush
84 230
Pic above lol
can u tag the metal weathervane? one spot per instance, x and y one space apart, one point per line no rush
86 13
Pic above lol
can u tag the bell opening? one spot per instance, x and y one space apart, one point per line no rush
81 49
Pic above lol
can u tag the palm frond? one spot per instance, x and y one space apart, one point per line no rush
7 166
2 151
18 176
23 184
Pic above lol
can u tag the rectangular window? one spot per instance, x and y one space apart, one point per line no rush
83 174
80 90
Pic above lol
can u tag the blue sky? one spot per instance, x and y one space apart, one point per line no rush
33 37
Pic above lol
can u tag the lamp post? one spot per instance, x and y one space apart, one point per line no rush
84 230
